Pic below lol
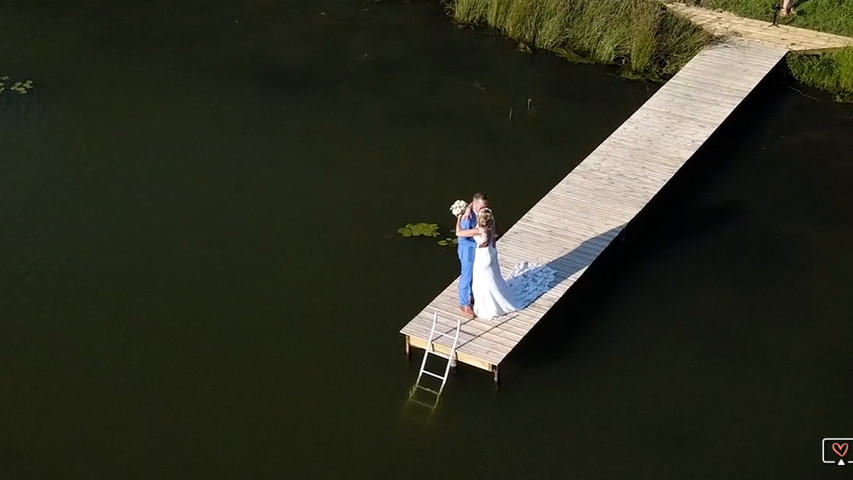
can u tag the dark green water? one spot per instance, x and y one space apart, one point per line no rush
201 277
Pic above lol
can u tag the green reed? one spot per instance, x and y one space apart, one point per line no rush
639 34
832 72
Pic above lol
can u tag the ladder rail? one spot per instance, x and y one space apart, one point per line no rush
450 357
429 350
428 346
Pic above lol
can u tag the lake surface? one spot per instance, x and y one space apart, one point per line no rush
201 275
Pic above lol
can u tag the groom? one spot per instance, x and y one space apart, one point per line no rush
466 249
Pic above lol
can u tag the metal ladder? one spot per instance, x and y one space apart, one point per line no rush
451 361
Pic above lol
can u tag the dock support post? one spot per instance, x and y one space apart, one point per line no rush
496 376
408 348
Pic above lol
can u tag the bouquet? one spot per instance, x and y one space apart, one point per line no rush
458 207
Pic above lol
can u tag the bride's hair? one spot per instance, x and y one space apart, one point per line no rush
484 218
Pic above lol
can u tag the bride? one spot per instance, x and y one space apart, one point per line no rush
493 297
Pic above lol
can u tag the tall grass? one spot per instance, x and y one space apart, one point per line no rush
832 72
639 34
644 32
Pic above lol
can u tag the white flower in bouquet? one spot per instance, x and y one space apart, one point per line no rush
458 207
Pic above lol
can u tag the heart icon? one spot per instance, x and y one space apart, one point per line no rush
840 449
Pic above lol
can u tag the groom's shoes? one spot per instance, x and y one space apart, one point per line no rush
467 311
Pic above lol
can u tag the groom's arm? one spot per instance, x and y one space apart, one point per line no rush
463 230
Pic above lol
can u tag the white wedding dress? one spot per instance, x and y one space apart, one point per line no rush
494 296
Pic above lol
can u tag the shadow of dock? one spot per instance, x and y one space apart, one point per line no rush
677 214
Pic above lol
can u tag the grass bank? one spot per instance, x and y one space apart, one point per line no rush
831 72
640 35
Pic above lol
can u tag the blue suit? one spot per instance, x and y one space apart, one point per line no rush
466 249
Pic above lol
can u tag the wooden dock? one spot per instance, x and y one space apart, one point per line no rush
794 39
572 224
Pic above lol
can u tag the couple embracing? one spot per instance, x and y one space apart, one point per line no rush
483 292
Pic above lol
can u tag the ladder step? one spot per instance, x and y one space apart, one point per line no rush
439 354
427 389
448 335
424 404
440 377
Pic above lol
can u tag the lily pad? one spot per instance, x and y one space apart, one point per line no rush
22 87
419 230
449 242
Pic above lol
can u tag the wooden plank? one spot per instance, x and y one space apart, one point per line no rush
701 93
626 192
640 137
580 217
646 158
648 183
579 223
656 116
610 211
589 243
577 238
567 238
467 358
627 167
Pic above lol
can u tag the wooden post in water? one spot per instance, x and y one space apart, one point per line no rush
408 348
496 376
